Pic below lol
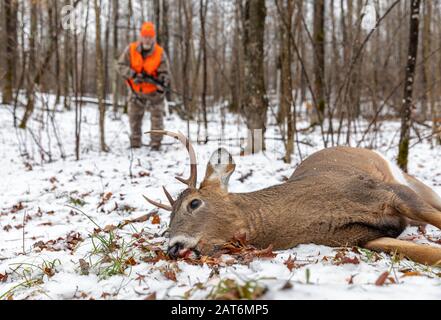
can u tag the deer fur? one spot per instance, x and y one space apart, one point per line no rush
339 196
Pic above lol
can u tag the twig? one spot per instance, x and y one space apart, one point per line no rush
24 223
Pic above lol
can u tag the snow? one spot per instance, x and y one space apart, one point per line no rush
45 262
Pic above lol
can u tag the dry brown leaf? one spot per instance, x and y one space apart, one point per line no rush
144 174
17 207
104 199
156 219
84 267
341 258
3 277
290 263
131 262
411 274
351 279
105 295
382 279
109 228
151 296
143 218
170 275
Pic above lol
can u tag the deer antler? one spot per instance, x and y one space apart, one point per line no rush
159 205
169 197
192 180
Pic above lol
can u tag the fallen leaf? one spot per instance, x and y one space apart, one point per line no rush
351 279
49 272
104 199
84 267
140 219
53 180
17 207
239 248
131 262
144 174
382 279
156 219
72 240
105 295
341 258
3 277
411 274
288 285
170 275
290 263
109 228
151 296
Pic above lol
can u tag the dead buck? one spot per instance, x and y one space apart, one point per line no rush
339 196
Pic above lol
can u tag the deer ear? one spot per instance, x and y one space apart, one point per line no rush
219 169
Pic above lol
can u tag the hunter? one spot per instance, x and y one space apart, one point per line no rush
144 64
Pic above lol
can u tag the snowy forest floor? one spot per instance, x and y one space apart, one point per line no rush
82 230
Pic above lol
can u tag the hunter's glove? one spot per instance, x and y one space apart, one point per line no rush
163 78
160 90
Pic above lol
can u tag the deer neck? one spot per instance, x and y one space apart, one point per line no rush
265 212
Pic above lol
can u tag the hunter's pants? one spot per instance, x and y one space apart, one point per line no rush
137 105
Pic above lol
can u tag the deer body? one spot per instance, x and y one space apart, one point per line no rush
337 197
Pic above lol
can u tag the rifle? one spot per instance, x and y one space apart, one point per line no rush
151 79
145 78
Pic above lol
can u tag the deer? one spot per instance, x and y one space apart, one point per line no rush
337 197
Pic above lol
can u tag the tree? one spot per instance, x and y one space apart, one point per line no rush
100 75
426 72
203 14
286 9
319 60
254 105
32 53
115 78
406 109
11 10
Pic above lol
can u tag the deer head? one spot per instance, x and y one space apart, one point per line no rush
199 216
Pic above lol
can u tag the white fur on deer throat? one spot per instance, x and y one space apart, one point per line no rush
394 170
186 241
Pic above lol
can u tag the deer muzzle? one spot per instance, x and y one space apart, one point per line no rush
178 250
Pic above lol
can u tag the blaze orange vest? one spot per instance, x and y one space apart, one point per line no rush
149 65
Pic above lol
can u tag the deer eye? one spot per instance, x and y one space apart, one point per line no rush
194 204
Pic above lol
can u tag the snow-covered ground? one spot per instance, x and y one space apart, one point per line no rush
68 229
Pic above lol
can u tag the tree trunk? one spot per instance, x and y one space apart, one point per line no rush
115 78
254 107
203 14
186 58
406 109
100 76
426 70
236 72
319 60
11 10
67 66
32 54
285 104
57 53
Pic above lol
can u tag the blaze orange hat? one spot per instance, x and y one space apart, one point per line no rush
148 29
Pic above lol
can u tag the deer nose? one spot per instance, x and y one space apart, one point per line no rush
174 250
